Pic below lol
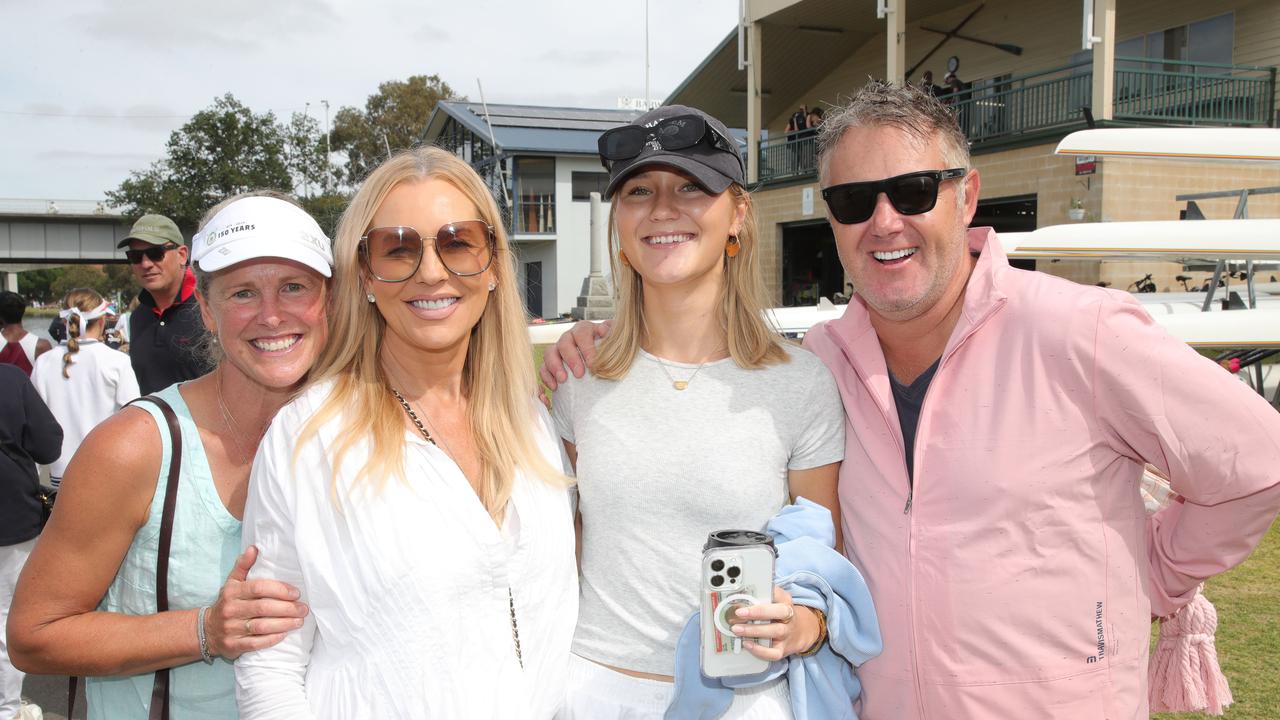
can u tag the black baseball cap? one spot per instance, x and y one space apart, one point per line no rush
713 160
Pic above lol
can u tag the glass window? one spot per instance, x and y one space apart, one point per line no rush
1212 40
585 183
535 195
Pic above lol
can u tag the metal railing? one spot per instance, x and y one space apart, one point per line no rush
1147 90
535 214
1191 93
792 156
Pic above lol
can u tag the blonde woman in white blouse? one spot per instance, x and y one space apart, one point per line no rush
414 491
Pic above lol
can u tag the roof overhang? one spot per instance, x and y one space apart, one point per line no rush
802 41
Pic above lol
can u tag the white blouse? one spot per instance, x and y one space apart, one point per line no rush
407 585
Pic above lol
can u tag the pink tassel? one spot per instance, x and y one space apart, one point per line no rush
1184 675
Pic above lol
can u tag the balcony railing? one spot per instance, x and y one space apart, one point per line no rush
793 156
535 214
1147 91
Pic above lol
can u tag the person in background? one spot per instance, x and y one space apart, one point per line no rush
29 434
20 347
87 601
166 328
82 381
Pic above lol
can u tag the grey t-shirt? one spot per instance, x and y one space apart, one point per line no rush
659 468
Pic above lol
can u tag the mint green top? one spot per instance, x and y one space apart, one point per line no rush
206 541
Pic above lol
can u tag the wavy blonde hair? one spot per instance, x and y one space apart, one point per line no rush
83 299
497 374
752 342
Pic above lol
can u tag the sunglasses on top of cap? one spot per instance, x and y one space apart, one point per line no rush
154 253
673 133
910 194
393 254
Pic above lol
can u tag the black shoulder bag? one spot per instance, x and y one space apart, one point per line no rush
160 690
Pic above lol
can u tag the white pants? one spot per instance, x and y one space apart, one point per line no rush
12 558
595 692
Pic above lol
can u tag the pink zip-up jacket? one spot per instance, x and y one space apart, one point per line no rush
1021 581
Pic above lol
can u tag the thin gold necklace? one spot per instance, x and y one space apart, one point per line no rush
511 600
679 384
233 428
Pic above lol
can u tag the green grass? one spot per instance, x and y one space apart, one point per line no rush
1248 603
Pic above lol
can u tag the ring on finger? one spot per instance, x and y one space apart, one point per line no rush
248 629
790 617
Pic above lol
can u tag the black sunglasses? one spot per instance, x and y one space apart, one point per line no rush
154 253
393 254
674 133
910 194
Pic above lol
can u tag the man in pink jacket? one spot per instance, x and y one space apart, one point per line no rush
999 421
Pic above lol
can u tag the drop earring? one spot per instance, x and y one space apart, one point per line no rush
733 247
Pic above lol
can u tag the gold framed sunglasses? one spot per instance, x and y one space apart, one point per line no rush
394 254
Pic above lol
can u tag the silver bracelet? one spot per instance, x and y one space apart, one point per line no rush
204 641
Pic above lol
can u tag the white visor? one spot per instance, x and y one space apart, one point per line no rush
262 227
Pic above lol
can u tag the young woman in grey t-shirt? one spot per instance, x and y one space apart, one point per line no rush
698 418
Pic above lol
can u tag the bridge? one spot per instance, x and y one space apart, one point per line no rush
38 233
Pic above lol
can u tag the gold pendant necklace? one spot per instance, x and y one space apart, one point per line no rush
679 384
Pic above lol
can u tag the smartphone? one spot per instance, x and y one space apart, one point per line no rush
737 571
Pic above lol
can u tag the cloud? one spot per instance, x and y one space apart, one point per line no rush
580 56
236 25
137 161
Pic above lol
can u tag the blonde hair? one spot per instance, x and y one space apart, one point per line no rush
85 300
752 343
497 374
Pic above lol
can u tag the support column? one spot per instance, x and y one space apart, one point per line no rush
895 41
755 66
11 281
1104 59
596 300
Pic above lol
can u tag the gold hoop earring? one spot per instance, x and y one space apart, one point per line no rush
733 247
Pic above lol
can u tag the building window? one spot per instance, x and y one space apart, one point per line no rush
535 195
585 183
1206 41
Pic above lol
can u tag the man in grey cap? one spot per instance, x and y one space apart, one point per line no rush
166 328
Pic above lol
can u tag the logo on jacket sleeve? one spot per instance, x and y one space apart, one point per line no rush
1102 637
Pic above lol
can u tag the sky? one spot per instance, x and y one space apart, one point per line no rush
91 89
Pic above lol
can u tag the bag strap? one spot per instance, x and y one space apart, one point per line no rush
160 691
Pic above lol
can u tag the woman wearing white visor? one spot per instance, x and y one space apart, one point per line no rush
155 629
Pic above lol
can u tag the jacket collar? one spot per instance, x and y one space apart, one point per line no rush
185 291
983 297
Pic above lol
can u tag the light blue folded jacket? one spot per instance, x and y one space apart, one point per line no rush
823 686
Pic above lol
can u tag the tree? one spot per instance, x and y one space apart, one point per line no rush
327 209
37 285
305 156
79 276
120 286
393 119
221 151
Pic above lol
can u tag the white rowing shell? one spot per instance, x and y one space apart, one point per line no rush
1252 144
1218 239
